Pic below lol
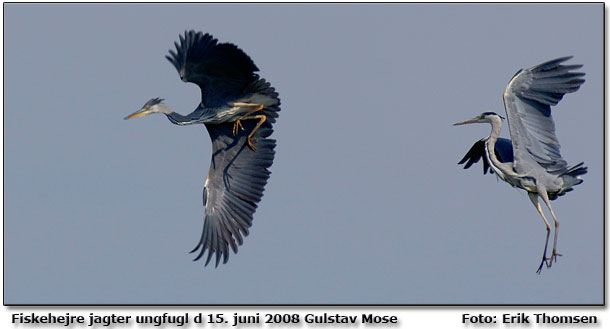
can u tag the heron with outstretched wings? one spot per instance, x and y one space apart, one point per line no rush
238 108
531 160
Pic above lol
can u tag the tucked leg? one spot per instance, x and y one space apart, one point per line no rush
249 116
237 124
262 118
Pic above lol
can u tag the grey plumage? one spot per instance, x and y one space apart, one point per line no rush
534 162
528 99
152 102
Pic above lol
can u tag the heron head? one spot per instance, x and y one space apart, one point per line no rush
481 118
154 105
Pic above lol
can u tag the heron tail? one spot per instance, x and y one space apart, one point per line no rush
571 177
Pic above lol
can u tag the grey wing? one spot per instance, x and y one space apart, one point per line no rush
528 99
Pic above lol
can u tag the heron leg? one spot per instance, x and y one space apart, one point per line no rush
237 124
248 116
534 199
546 200
262 118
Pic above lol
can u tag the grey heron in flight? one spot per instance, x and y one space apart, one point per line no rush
531 160
238 108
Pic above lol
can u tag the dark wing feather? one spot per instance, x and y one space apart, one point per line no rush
263 88
528 99
236 180
476 152
221 70
503 150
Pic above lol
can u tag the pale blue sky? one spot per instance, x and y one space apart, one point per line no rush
366 202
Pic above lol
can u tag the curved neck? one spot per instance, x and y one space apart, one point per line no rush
179 119
500 168
496 126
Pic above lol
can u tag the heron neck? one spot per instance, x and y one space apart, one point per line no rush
496 126
499 167
181 120
176 118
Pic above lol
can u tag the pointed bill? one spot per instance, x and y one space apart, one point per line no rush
465 122
135 115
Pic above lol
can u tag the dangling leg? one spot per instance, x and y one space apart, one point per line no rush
546 200
534 199
248 116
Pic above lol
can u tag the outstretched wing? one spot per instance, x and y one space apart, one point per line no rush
236 180
503 150
528 99
221 70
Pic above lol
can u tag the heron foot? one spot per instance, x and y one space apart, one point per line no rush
250 143
548 261
542 263
553 257
237 125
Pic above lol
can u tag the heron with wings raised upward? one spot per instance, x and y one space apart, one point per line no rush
238 108
530 160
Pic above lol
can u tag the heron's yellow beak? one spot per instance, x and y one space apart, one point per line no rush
135 115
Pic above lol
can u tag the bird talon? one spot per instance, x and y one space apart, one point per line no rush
530 160
553 257
237 125
541 265
250 143
231 190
